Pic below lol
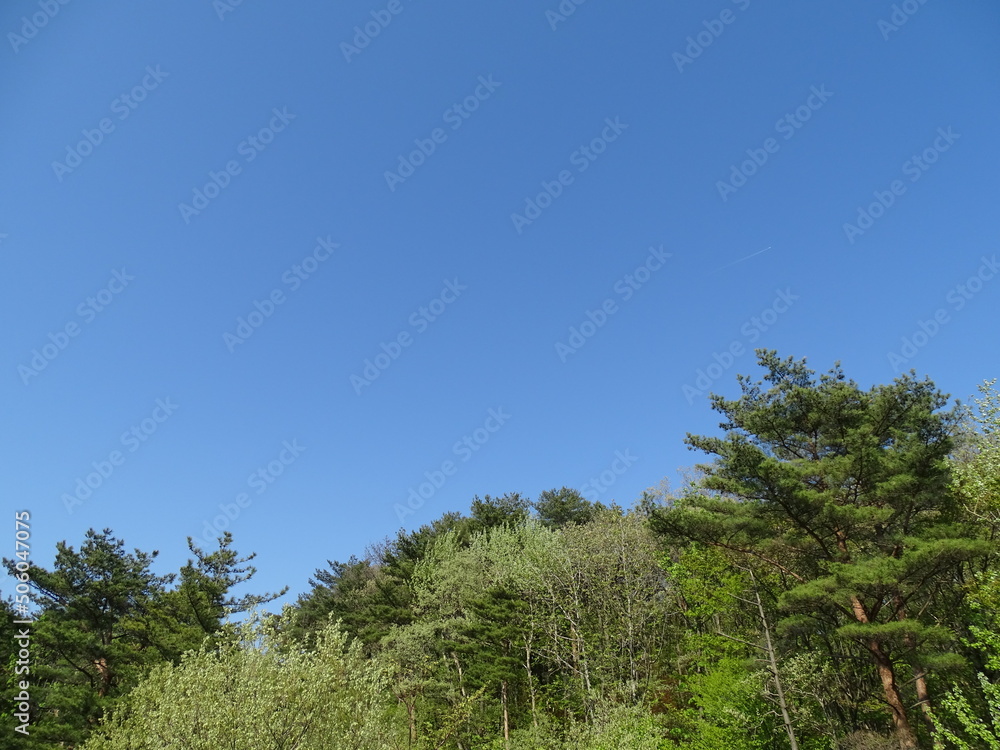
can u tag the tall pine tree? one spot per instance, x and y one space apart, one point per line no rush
846 494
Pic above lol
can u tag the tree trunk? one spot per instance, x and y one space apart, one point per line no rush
919 673
411 714
904 731
580 657
461 679
506 717
773 663
531 683
924 696
105 676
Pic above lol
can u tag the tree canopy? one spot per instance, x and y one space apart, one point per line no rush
826 579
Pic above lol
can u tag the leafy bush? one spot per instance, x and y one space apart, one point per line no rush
252 692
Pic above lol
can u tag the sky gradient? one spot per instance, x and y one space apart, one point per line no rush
278 267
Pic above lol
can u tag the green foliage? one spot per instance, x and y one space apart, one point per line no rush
492 512
965 720
206 583
830 572
727 709
94 636
251 690
972 730
10 738
104 619
556 508
621 728
630 727
345 591
707 586
846 495
976 467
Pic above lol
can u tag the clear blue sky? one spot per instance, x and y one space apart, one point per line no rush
646 138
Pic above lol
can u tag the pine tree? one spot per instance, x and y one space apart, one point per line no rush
104 619
490 512
562 507
90 636
846 494
493 642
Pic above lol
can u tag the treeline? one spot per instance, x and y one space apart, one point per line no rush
827 581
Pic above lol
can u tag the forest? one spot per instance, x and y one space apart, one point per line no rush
825 578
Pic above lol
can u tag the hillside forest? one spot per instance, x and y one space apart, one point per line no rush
825 578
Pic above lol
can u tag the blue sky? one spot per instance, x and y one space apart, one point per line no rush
533 227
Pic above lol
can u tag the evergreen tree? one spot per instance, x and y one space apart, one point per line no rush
201 600
372 595
494 646
337 591
510 509
846 494
104 619
91 637
10 738
562 507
